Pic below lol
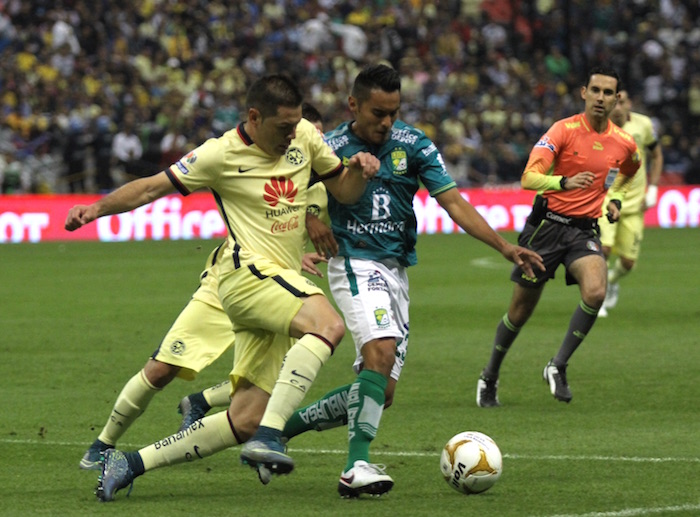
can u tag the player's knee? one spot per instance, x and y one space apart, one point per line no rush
627 263
160 374
519 315
334 329
594 297
379 355
245 423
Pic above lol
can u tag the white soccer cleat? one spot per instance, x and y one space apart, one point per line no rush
364 478
612 294
603 312
555 376
487 392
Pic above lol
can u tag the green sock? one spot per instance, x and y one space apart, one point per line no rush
329 411
365 406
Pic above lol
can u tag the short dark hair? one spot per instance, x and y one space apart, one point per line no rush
271 92
604 70
374 77
310 113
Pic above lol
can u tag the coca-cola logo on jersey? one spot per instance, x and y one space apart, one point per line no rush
285 226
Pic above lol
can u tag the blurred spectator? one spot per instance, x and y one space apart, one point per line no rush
15 178
173 146
75 149
7 31
694 104
557 63
71 73
127 148
353 39
105 129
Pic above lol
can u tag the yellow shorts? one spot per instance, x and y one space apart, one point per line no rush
261 299
203 331
199 336
625 236
258 358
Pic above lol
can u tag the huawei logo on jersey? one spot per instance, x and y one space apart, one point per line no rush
279 188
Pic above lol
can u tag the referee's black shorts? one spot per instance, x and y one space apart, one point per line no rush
557 244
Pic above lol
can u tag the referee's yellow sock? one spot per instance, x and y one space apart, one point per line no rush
301 365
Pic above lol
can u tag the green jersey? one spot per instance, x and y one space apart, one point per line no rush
382 224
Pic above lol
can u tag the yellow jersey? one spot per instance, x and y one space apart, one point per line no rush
642 130
262 198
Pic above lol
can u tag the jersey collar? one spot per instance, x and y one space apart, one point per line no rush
244 136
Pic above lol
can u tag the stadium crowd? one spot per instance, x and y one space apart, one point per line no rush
95 92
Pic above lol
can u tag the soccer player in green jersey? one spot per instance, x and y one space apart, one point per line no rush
376 237
622 240
259 174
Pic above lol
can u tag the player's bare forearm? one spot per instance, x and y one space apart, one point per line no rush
348 187
127 197
471 221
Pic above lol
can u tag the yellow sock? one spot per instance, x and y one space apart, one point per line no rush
301 364
130 404
219 395
211 434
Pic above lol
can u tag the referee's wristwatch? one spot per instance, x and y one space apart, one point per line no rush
562 182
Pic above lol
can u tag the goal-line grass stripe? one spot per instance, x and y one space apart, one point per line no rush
410 454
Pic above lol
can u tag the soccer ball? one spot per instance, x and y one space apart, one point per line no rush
471 462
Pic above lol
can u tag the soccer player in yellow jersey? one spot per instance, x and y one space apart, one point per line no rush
259 174
622 240
199 336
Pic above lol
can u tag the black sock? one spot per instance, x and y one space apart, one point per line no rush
135 463
199 399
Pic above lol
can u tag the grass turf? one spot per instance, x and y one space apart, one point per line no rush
79 319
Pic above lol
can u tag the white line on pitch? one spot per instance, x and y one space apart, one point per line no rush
412 454
635 512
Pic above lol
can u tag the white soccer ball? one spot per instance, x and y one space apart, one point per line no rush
471 462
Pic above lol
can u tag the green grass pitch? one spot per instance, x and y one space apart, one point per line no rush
77 320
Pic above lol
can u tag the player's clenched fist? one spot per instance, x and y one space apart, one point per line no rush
78 216
366 163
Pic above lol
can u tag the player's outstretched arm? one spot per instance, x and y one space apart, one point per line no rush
350 184
127 197
471 221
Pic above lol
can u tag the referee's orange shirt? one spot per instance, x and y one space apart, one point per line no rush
571 146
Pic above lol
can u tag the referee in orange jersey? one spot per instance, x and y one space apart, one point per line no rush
572 167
